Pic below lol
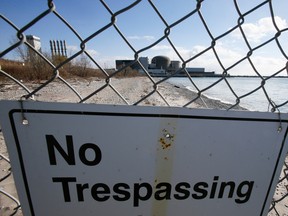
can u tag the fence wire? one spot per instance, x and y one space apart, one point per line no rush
51 71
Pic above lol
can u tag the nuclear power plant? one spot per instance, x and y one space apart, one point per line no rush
162 66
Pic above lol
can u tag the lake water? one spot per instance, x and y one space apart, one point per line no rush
276 88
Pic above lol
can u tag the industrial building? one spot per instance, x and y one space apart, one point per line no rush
34 41
162 66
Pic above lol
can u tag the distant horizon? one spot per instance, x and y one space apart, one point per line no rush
220 74
189 37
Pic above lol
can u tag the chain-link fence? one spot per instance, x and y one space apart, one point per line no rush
79 74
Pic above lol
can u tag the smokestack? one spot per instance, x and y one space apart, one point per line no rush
51 47
54 45
62 50
65 50
58 47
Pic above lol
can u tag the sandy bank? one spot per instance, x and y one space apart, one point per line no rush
131 91
137 90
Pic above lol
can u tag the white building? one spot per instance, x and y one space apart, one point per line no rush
34 41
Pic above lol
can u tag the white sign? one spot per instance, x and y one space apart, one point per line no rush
84 159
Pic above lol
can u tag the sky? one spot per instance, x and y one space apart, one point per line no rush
142 27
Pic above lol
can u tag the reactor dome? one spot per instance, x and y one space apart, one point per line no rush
161 62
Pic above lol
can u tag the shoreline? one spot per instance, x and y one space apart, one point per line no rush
131 89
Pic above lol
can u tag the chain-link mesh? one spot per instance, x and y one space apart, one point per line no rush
54 80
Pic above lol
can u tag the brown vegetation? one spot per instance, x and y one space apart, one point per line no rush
41 70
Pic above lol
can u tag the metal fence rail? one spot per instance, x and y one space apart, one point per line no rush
12 86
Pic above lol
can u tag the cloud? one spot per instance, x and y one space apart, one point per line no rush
145 37
266 65
161 47
93 52
229 51
108 62
262 28
72 48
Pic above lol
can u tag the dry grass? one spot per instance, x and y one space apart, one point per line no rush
42 71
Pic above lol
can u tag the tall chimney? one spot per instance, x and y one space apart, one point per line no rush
58 47
51 47
54 45
65 50
62 50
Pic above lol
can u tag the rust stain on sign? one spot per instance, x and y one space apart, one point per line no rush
166 140
164 161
